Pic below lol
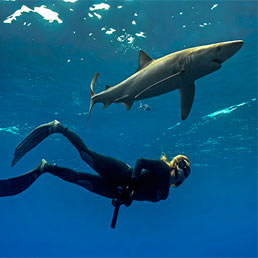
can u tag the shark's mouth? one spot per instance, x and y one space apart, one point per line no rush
218 61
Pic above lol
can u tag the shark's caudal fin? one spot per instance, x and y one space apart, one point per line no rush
92 93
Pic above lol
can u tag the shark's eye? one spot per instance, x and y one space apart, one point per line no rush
218 48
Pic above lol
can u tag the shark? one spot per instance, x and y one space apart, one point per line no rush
176 71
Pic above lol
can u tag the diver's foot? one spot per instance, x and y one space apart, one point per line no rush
54 127
40 168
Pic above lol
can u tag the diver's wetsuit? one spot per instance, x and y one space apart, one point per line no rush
153 176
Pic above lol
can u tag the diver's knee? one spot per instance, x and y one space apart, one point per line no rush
86 184
87 158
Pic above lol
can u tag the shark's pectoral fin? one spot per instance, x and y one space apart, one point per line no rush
157 84
187 97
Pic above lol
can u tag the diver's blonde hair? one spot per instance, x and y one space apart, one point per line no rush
174 162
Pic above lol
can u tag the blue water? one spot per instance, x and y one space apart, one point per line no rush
46 69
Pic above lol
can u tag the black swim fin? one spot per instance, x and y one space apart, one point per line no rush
34 138
18 184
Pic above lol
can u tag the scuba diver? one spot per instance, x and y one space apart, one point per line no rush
149 180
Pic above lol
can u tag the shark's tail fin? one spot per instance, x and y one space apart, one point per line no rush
92 93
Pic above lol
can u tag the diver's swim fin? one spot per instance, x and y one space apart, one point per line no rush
34 138
18 184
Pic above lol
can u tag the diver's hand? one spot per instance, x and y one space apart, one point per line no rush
126 194
116 202
129 192
128 201
130 188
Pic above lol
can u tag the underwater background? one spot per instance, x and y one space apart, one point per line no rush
50 51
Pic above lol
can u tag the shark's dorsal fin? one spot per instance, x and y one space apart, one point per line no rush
187 97
107 87
144 60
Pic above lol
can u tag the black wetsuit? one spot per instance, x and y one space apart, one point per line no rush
152 176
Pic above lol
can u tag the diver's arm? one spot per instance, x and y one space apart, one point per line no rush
164 184
161 172
156 166
139 165
128 192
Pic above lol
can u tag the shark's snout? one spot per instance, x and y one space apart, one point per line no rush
228 49
234 46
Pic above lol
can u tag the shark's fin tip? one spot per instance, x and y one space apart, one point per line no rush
106 105
144 60
93 82
187 97
127 105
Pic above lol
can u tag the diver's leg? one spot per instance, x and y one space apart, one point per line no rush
109 168
93 183
18 184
